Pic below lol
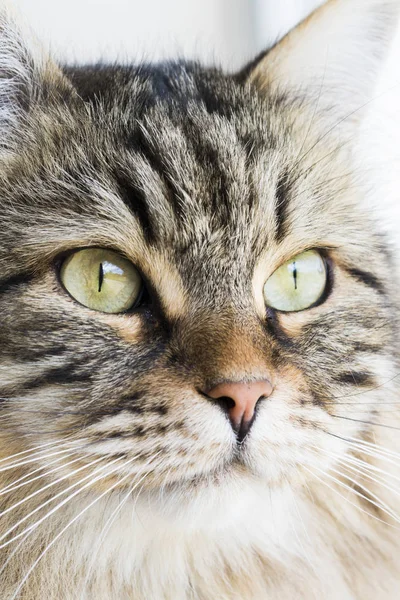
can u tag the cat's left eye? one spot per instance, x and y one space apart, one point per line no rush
102 280
298 284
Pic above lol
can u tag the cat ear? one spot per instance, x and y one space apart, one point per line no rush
24 70
334 57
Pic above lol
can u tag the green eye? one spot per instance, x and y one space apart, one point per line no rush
101 280
298 284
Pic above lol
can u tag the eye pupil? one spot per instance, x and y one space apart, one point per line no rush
101 276
295 275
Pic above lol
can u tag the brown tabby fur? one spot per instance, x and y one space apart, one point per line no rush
135 487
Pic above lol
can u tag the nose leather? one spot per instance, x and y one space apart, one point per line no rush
244 395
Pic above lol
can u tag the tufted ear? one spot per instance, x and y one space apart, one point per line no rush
333 58
25 71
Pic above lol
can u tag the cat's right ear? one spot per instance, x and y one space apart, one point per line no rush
333 59
26 70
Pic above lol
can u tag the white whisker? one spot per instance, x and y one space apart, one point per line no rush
361 463
100 469
378 502
30 450
48 486
379 448
54 540
368 448
35 459
25 481
353 491
360 469
346 499
111 520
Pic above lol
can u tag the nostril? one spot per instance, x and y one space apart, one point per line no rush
226 403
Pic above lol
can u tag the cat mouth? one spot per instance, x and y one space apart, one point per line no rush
242 431
231 469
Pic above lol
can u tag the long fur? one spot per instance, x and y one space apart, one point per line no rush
119 477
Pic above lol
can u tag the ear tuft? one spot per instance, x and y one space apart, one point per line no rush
334 57
22 66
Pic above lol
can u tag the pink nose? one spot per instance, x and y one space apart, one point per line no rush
244 397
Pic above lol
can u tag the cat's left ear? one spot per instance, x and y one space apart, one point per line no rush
333 58
28 77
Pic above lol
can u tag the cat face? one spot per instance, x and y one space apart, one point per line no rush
206 184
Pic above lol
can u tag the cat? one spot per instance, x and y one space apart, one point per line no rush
199 342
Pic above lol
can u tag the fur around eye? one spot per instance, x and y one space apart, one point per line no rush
196 444
102 280
298 284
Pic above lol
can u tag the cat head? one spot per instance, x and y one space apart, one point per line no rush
191 290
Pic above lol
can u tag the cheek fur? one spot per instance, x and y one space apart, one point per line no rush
120 475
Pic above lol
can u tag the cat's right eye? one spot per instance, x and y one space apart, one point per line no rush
298 284
102 280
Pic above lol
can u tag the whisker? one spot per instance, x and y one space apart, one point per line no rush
57 537
368 390
103 533
365 410
28 531
366 422
371 403
364 471
346 499
110 522
373 446
100 469
15 485
380 504
362 465
386 456
376 455
48 486
36 458
27 451
359 494
333 399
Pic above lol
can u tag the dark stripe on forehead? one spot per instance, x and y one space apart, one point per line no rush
153 155
281 206
153 150
220 180
367 279
134 198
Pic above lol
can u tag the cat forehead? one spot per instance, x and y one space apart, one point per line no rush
186 122
179 146
191 160
190 147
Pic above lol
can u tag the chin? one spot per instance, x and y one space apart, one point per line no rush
206 502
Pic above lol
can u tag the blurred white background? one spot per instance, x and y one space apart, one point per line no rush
222 31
